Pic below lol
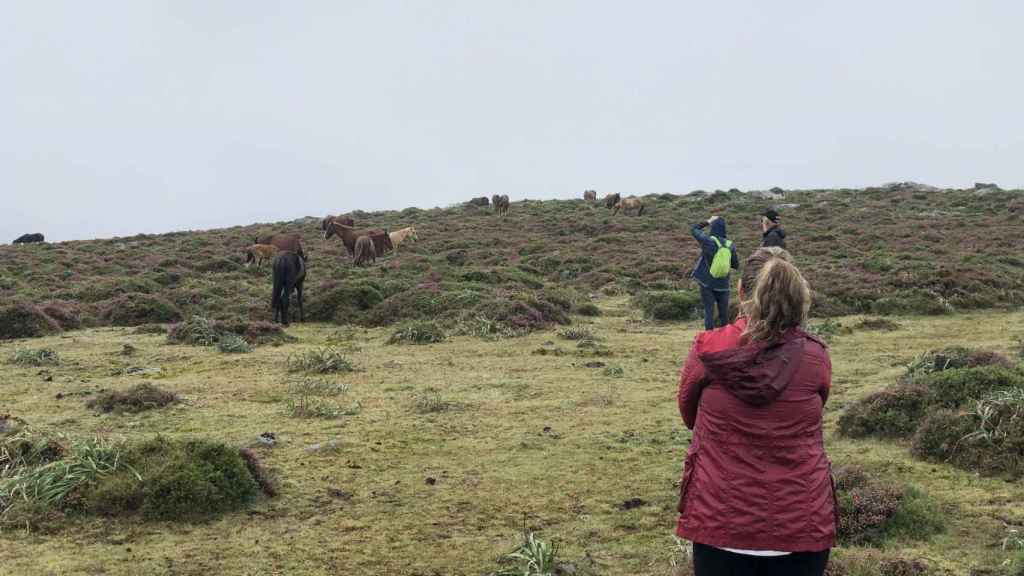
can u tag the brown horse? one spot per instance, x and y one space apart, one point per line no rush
590 195
381 242
349 235
611 200
628 204
283 242
500 203
344 220
365 252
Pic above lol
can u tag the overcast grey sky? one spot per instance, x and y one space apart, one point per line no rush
138 116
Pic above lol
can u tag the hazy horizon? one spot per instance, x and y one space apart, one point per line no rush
144 117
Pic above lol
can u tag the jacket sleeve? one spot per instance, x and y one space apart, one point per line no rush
691 382
698 232
827 387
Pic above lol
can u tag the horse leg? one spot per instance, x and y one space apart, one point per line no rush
285 298
298 289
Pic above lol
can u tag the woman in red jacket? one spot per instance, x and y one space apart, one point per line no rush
756 497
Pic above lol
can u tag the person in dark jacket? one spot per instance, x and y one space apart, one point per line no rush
756 495
772 233
713 291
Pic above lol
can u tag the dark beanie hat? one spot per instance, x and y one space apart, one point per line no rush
771 214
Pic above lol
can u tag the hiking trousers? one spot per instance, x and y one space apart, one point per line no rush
711 561
710 298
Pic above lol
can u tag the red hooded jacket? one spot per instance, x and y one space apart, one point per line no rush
756 476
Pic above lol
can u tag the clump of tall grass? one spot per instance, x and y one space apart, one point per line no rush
532 557
49 483
324 360
35 357
431 402
319 399
418 332
578 333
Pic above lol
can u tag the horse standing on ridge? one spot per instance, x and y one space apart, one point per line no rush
365 251
400 236
628 204
500 202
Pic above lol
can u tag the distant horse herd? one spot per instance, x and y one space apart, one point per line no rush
364 247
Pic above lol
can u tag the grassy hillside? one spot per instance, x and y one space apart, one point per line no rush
881 250
456 447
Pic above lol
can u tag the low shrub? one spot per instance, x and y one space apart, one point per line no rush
22 320
877 324
670 305
989 440
827 329
321 360
951 358
68 315
197 331
345 304
165 479
418 332
138 398
231 343
134 309
872 510
255 333
35 357
587 309
894 412
150 329
957 387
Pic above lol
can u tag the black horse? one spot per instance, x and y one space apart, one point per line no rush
289 273
28 239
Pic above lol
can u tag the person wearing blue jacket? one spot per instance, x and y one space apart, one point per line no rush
713 291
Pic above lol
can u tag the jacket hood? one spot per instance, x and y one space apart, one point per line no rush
718 228
757 373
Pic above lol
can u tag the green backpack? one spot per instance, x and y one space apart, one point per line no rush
722 263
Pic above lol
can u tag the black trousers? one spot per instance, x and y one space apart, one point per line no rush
711 561
710 298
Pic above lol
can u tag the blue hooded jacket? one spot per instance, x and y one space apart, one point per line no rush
702 272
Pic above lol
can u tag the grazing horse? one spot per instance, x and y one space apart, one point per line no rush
349 235
590 195
399 236
365 252
258 253
628 204
500 202
28 239
289 273
611 200
283 242
344 220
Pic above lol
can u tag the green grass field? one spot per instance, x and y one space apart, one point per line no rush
458 446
